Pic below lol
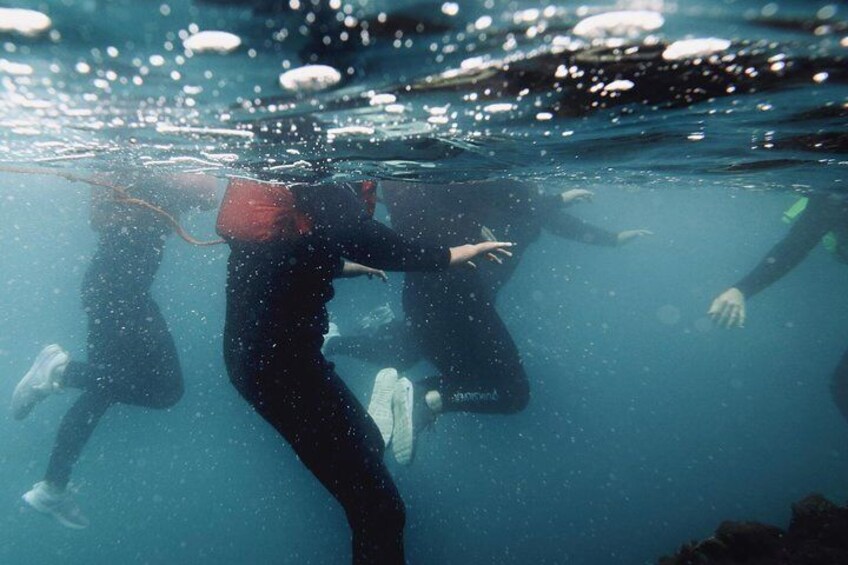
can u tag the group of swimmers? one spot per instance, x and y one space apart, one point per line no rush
287 244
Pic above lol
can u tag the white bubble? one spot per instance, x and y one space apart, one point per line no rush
618 85
382 99
212 42
668 314
483 22
16 69
690 48
820 77
625 23
450 8
347 131
310 78
499 107
25 22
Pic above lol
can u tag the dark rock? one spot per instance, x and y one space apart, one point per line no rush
817 535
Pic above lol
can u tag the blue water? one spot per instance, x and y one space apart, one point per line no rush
647 425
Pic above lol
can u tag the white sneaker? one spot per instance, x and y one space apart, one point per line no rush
41 380
332 332
411 414
380 406
58 503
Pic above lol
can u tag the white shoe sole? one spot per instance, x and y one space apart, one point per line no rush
27 393
32 500
403 440
380 406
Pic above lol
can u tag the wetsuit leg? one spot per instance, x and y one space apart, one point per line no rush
132 356
463 335
391 345
296 391
839 385
74 431
132 360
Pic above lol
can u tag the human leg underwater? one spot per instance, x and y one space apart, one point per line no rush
298 392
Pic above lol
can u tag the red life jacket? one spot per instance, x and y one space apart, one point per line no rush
253 211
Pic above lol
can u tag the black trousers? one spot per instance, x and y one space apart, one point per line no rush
132 360
289 383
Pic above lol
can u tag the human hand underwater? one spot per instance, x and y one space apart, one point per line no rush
576 195
491 250
627 236
728 309
351 269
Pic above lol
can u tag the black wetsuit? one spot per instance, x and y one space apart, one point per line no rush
823 214
132 358
451 317
276 315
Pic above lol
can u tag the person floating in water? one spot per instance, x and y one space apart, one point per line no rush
820 218
451 318
132 358
287 244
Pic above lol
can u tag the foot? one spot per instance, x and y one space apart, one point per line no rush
332 333
380 407
58 503
42 380
411 414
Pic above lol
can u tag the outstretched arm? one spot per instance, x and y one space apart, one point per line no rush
729 309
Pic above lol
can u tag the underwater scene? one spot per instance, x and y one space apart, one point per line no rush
451 282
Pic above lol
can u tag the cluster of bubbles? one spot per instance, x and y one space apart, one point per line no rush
329 107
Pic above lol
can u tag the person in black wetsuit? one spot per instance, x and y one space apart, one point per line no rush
824 219
132 358
451 318
275 320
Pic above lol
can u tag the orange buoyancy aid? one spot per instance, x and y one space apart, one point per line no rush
255 211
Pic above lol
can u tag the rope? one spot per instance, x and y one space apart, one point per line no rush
121 195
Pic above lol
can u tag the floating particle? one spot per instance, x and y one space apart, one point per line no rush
544 116
310 78
820 77
625 23
690 48
24 22
212 42
697 136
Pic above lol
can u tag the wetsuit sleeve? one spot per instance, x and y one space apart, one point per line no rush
813 224
377 246
567 226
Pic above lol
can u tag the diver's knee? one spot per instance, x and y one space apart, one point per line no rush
168 398
517 398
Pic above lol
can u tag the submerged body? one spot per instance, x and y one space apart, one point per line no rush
451 317
825 216
275 321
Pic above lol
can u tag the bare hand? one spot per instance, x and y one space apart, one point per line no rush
629 235
352 269
576 195
728 310
492 250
